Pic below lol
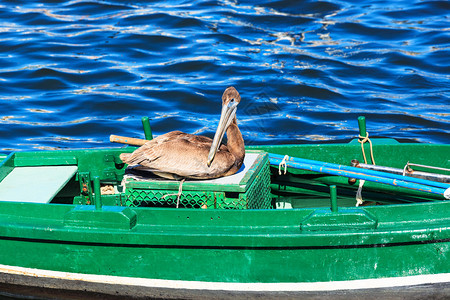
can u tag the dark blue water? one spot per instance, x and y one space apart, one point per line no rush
74 72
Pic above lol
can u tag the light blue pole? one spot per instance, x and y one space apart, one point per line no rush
364 171
417 184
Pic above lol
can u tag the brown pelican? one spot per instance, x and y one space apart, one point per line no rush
178 155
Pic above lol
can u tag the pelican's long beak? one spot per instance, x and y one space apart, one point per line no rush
226 117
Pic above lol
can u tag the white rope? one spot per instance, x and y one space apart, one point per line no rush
127 177
283 163
180 191
362 140
428 167
406 167
447 194
359 199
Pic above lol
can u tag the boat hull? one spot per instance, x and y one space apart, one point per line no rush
193 253
177 261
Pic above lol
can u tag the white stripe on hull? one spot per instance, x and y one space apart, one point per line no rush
233 286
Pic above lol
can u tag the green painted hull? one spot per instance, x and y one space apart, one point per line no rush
408 237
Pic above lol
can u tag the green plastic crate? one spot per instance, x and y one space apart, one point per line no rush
247 189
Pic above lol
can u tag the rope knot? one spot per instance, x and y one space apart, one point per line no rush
362 140
283 163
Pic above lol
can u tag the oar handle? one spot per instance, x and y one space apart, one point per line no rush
126 140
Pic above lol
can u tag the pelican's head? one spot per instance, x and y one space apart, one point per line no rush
230 101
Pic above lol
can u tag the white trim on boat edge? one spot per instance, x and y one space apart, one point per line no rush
389 282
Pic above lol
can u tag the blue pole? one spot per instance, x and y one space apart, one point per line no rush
358 173
366 171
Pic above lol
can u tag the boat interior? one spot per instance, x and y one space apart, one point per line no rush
98 177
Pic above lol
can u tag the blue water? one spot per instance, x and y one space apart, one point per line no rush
74 72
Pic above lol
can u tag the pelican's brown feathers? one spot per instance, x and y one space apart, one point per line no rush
177 154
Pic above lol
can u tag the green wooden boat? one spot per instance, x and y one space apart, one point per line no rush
76 221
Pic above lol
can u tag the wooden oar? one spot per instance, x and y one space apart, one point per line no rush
126 140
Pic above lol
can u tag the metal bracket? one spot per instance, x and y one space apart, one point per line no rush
84 179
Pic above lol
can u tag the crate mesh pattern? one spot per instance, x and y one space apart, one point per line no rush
257 196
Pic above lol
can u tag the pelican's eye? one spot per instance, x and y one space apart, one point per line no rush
232 100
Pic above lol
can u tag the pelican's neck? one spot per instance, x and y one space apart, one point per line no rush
235 143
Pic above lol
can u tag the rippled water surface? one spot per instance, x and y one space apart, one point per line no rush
74 72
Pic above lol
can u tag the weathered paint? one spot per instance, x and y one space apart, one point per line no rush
289 246
399 281
229 246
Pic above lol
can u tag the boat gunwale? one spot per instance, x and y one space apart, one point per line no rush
224 229
263 230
